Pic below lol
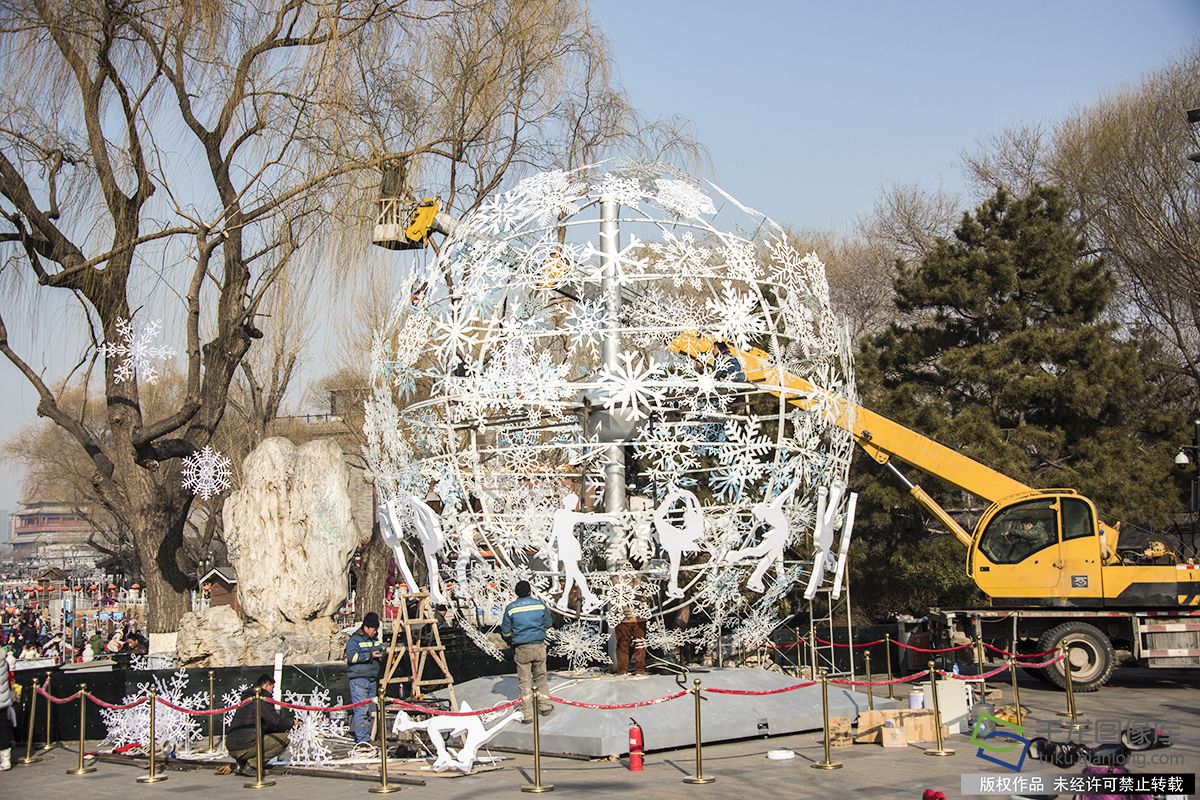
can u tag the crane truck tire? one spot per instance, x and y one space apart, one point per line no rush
1089 651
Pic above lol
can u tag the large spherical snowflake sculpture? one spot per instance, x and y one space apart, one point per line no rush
533 388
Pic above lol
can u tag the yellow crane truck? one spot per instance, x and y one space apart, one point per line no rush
1049 565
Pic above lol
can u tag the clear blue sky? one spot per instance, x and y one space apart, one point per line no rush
808 109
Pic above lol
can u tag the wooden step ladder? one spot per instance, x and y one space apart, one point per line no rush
415 650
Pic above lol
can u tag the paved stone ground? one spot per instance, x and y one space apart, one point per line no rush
1167 697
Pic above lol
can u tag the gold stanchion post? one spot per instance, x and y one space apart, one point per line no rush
887 644
81 769
939 749
380 718
258 782
152 776
1012 668
30 758
870 679
699 777
537 787
212 704
1071 722
826 763
49 745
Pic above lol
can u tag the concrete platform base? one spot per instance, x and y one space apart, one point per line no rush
571 731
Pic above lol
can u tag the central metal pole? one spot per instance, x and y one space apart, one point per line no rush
610 246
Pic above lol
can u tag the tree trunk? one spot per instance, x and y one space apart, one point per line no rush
372 575
158 536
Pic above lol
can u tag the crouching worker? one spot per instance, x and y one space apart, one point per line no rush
276 722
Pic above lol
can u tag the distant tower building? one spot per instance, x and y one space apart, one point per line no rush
47 532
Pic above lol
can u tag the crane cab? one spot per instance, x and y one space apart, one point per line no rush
1039 547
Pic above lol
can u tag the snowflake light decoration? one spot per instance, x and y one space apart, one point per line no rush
206 473
631 385
581 643
137 351
229 699
662 639
307 742
173 730
546 345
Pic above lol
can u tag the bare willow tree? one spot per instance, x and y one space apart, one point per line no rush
176 147
1123 160
195 159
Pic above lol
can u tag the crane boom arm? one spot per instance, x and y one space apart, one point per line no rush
879 436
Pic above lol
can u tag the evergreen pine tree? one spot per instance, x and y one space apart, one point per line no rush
1005 354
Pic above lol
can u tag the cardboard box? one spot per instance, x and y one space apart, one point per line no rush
918 726
892 735
870 724
896 727
839 732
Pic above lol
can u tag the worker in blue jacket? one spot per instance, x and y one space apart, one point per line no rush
364 651
524 626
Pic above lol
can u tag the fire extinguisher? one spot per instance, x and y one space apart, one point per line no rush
635 746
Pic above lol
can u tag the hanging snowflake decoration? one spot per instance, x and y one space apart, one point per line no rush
206 473
631 385
756 628
308 740
137 351
581 643
682 198
589 322
662 639
558 348
173 730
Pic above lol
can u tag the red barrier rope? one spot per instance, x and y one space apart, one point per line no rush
1041 665
983 676
1003 652
933 649
607 706
112 707
852 646
52 698
299 707
782 647
905 679
752 692
204 712
475 712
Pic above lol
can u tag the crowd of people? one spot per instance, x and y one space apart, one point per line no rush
28 634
